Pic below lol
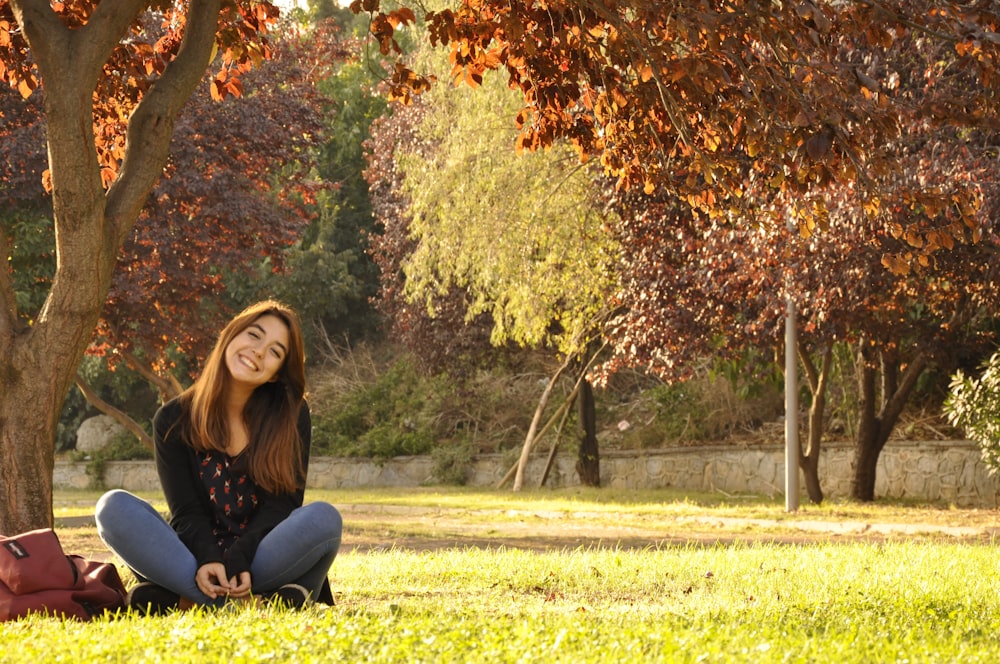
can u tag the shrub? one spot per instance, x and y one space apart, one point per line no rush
973 405
391 415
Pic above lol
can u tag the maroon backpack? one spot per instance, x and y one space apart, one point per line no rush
37 577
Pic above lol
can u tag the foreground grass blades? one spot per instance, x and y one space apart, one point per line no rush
870 602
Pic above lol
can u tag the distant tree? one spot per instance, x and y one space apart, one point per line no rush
448 341
750 114
330 277
692 290
112 78
238 190
518 239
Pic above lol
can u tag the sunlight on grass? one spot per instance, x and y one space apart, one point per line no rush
904 601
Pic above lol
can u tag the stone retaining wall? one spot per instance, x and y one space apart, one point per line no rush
949 472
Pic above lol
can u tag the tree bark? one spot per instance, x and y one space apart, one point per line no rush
28 417
167 385
122 418
588 462
531 438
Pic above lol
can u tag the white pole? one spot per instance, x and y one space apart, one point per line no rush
791 409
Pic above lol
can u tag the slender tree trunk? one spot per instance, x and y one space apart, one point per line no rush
168 385
120 416
810 471
818 379
588 463
866 458
531 438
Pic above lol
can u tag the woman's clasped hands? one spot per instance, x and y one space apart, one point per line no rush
212 580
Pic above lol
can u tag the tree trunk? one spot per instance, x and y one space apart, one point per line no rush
865 463
810 471
588 463
27 453
818 379
38 361
531 438
877 422
119 416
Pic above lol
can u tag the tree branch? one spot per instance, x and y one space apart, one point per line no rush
78 54
168 386
106 408
150 128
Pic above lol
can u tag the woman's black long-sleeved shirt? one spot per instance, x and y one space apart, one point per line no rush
191 510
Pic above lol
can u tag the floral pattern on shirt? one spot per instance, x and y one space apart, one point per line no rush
232 494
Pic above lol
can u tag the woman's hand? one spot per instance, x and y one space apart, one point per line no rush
211 579
240 586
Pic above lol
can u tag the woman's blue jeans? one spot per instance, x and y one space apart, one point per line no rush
299 550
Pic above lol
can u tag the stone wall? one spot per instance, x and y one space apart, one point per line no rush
950 472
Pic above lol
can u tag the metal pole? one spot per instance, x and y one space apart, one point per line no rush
791 409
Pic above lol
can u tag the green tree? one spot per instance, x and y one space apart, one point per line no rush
113 77
331 278
520 237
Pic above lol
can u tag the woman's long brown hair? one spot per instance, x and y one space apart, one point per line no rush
274 453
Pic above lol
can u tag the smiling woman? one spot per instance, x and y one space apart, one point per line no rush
231 454
256 354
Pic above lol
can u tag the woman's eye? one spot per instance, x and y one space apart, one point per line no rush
276 353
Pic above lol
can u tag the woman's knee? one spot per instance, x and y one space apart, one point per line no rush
326 517
112 505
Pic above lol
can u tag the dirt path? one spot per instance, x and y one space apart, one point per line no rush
378 527
384 527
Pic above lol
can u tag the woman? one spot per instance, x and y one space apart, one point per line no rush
231 453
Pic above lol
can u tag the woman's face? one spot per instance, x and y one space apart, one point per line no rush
255 355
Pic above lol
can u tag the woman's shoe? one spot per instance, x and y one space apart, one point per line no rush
150 599
290 595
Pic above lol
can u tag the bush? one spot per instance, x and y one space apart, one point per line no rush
392 415
973 405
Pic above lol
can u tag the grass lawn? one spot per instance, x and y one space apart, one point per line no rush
441 575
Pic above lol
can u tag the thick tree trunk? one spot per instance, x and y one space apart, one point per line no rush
38 362
880 408
588 462
31 402
25 466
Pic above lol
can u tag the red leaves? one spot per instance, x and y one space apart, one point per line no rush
223 86
139 60
405 83
818 145
656 81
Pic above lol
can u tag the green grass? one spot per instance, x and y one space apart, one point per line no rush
900 599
